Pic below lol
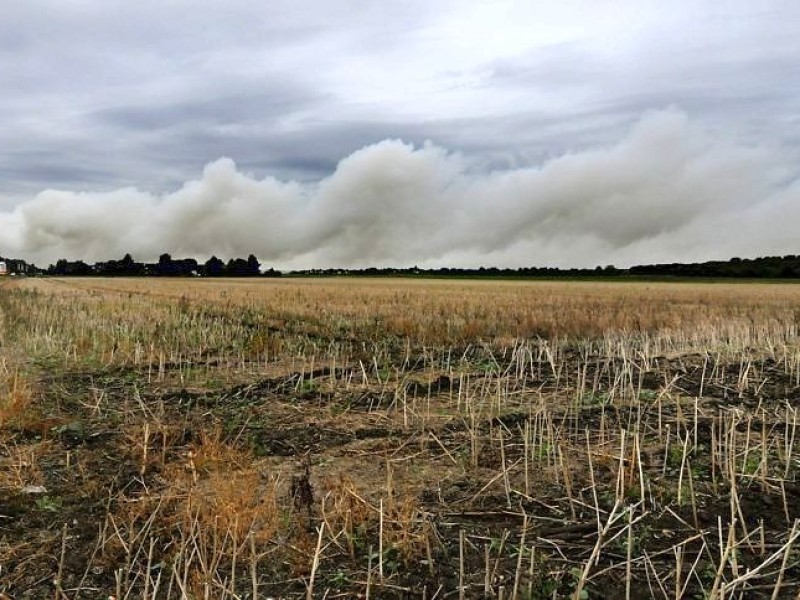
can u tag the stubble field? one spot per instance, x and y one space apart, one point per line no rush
398 439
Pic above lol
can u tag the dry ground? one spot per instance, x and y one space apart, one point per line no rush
398 438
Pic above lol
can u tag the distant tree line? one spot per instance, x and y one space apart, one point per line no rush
768 267
165 267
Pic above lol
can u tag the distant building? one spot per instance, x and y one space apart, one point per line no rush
3 268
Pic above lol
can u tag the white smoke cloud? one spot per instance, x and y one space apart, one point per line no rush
668 191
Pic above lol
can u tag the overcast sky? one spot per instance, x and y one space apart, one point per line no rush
437 133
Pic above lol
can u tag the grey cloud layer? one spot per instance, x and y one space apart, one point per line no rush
539 155
667 190
98 95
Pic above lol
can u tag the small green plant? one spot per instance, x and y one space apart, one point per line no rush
752 462
674 456
486 365
648 395
339 579
51 504
543 450
595 399
309 386
575 577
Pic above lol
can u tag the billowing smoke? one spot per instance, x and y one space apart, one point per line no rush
668 191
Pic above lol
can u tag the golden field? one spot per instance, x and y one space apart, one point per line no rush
398 438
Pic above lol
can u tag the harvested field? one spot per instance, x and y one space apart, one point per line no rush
398 439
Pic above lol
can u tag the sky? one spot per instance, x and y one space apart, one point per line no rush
436 133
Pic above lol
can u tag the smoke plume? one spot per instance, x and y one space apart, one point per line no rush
669 191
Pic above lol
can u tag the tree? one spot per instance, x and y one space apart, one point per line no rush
214 267
253 265
165 266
